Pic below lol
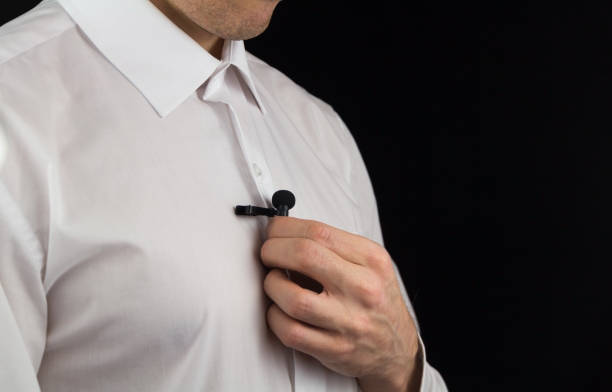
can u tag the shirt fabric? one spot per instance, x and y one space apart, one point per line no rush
126 146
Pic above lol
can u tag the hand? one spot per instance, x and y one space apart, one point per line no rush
358 325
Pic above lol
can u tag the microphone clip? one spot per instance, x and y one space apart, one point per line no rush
255 211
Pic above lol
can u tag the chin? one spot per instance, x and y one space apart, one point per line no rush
246 30
251 33
243 22
254 23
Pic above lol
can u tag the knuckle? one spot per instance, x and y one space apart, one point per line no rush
378 258
318 231
306 252
361 326
293 336
344 350
301 306
375 256
369 292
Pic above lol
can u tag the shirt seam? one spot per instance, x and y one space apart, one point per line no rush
21 228
34 47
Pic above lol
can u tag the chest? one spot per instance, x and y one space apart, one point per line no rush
143 234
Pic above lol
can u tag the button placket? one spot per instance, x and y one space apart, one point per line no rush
308 375
259 166
259 163
248 154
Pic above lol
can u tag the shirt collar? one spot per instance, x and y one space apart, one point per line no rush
158 58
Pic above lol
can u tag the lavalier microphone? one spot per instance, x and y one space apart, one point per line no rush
282 201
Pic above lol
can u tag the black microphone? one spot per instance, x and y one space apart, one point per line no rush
282 200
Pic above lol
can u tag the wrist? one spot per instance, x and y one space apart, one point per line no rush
404 378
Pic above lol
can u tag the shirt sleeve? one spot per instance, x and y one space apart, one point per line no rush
23 308
361 185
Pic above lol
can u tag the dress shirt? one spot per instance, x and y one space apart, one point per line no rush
126 146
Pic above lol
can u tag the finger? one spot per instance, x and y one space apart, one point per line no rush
319 343
304 305
311 259
349 246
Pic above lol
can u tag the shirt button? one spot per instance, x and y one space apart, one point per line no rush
257 170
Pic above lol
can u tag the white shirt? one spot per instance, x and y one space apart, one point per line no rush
122 264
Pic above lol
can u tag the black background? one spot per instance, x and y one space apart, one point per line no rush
487 133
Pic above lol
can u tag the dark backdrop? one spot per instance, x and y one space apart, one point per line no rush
487 133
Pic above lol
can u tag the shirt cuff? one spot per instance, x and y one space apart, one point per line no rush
431 381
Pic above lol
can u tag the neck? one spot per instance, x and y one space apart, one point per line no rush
205 39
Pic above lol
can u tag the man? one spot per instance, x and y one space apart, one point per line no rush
132 129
